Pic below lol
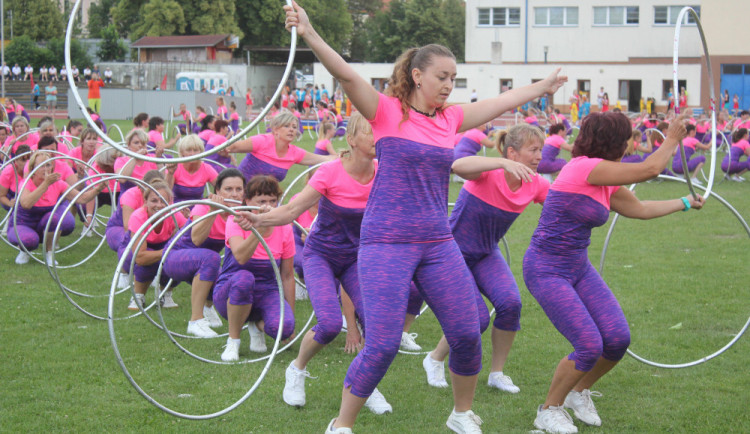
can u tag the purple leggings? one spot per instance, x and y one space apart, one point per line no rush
239 289
443 280
184 264
579 304
114 236
31 224
495 281
322 277
549 162
146 273
692 160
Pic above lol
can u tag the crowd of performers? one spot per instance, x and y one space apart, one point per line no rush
381 241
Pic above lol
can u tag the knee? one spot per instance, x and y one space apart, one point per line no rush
508 315
616 344
484 317
327 330
241 288
588 352
272 327
209 267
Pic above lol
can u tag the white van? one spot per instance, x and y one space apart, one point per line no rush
301 80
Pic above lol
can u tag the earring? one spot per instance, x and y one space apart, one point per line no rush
419 85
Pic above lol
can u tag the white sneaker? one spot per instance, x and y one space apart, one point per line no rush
466 422
22 258
696 181
737 178
294 388
554 420
123 281
257 339
88 231
201 328
501 381
167 302
377 403
49 259
231 350
435 372
212 316
583 407
344 325
342 430
140 299
300 293
407 342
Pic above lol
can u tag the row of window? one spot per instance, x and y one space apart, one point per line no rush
568 16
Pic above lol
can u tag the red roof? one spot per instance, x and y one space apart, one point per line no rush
179 41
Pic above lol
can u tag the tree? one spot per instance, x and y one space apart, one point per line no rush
78 54
40 20
21 50
211 17
111 47
455 13
331 20
100 16
125 14
360 11
159 18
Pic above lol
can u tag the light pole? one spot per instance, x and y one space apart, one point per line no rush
546 50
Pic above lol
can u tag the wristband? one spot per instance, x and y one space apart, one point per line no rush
686 202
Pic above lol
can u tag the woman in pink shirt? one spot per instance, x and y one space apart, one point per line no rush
156 135
694 162
21 136
731 164
128 166
221 109
11 176
324 145
550 164
42 191
188 180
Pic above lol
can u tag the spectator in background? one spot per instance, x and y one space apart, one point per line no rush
43 73
108 75
474 97
95 101
50 96
53 74
28 72
35 92
76 74
6 71
64 73
16 72
87 73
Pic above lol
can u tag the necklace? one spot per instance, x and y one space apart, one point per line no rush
423 113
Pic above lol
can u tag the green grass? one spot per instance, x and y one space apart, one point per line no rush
59 372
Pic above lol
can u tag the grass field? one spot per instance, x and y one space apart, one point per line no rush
682 281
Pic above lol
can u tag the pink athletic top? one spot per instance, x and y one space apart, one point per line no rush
206 134
77 152
492 188
234 116
216 140
322 144
155 136
139 217
199 178
689 142
8 178
739 123
281 240
218 228
555 140
474 135
332 181
140 169
221 110
132 198
60 167
572 179
323 113
742 144
702 127
186 115
53 193
264 149
31 140
531 119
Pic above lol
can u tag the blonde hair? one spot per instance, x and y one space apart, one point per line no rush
327 127
284 118
634 138
190 142
19 120
37 157
136 132
158 184
106 156
355 124
517 136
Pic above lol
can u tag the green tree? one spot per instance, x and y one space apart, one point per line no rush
159 18
125 14
454 12
111 47
383 33
21 50
78 54
40 20
360 11
331 20
211 17
100 16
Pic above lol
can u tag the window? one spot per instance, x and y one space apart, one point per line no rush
666 87
556 16
460 83
667 15
623 87
616 16
506 84
499 16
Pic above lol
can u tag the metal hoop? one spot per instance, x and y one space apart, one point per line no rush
736 337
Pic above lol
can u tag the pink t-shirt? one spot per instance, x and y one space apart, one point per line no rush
53 193
492 188
218 228
264 149
531 119
702 127
281 240
30 139
475 135
439 131
221 110
322 144
140 169
332 181
322 113
572 179
739 123
186 115
216 140
206 134
555 140
132 198
77 152
60 167
742 144
155 136
204 174
139 217
112 184
689 142
8 178
234 116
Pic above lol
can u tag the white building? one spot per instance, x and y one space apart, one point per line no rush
624 46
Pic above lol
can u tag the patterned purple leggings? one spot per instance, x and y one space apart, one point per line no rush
579 304
31 224
445 283
184 264
239 289
495 281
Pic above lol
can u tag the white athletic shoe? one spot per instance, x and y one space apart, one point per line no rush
737 178
435 372
583 407
123 281
231 350
300 293
201 328
342 430
294 388
407 342
501 381
554 420
167 302
4 231
49 259
140 299
212 316
88 231
377 403
696 181
22 258
466 422
344 325
257 339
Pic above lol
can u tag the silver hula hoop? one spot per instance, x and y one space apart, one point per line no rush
128 152
736 337
121 362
